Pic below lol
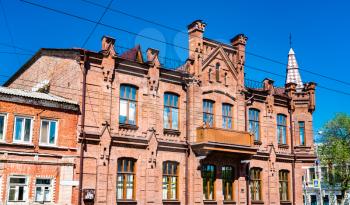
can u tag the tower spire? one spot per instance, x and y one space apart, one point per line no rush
293 75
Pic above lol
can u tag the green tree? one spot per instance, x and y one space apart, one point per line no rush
334 153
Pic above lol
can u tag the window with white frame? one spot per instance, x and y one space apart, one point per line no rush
23 129
18 189
2 126
48 132
43 190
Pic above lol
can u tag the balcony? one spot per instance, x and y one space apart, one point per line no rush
223 140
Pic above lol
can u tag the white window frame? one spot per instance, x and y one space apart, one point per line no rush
48 134
5 127
25 196
22 136
43 186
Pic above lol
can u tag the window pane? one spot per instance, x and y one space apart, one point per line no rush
39 195
20 193
43 181
122 91
19 130
167 117
173 187
12 194
47 194
133 93
129 186
2 127
52 132
44 131
123 111
165 187
120 183
132 113
175 120
27 130
302 133
17 180
176 98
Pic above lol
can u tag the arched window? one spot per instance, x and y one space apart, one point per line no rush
170 180
217 71
171 111
126 179
208 176
127 106
228 175
282 129
284 183
254 123
255 184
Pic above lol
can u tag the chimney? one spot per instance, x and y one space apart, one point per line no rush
195 35
268 84
239 43
108 46
152 56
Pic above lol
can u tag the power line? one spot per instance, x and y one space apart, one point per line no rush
180 31
95 26
15 53
13 46
151 38
8 29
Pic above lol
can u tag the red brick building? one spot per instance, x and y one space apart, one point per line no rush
198 134
38 147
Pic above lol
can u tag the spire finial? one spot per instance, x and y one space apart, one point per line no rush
290 39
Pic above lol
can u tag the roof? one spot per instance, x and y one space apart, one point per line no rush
35 95
293 75
133 54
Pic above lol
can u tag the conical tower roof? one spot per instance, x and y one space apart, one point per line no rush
293 75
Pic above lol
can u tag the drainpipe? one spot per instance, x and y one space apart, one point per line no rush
248 164
292 150
187 154
83 140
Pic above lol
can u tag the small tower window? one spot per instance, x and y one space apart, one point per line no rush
217 72
209 74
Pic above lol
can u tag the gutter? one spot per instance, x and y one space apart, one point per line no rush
187 153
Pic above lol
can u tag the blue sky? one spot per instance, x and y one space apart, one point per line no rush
320 32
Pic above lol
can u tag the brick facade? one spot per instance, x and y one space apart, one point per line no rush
33 160
214 71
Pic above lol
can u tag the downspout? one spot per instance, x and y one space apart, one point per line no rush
187 154
292 150
248 164
83 140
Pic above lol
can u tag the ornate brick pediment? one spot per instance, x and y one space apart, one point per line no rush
219 53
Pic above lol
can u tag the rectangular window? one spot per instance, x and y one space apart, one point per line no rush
171 111
170 171
254 125
127 106
23 129
18 189
302 132
208 113
255 184
281 129
125 179
48 132
2 126
283 185
227 182
208 175
43 190
226 116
